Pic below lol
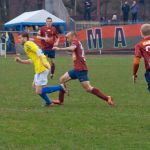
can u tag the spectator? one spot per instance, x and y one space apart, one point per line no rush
12 40
114 19
3 37
103 21
125 11
142 1
134 11
87 9
36 28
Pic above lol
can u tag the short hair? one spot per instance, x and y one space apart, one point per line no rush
25 34
48 18
145 29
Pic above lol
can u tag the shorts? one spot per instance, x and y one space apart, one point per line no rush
80 75
41 79
49 53
147 77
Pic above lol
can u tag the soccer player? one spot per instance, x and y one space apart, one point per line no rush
49 38
142 49
80 70
41 66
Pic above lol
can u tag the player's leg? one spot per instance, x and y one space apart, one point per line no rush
63 79
33 84
41 80
53 67
147 78
87 86
84 80
51 55
38 91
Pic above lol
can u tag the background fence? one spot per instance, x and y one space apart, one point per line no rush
96 38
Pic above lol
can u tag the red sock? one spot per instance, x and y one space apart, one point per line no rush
61 96
53 68
99 94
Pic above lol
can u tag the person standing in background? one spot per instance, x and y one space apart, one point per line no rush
125 11
87 9
49 38
134 11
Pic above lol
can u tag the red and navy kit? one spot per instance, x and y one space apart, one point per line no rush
80 70
51 33
142 49
78 56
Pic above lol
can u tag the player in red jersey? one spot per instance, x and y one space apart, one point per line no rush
49 38
80 70
142 49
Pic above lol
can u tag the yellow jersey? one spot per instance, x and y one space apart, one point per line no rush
30 49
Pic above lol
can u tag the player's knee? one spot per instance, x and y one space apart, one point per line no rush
61 80
88 89
38 92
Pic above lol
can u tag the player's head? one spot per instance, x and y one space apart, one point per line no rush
134 2
126 2
145 30
70 36
23 37
49 22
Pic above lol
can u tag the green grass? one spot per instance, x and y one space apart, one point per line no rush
84 122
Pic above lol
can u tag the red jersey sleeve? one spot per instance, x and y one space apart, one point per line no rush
138 52
41 32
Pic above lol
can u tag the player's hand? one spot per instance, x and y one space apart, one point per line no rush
56 48
46 66
134 78
17 59
47 39
56 43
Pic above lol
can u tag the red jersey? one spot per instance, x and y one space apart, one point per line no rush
142 49
49 32
78 56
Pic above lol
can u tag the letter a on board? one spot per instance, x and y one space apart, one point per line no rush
120 40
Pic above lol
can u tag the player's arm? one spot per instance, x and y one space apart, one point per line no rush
39 36
136 63
23 61
57 39
39 53
70 48
56 42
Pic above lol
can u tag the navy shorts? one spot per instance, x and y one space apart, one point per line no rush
80 75
147 77
49 53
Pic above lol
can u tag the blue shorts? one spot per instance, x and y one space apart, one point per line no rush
80 75
147 77
49 53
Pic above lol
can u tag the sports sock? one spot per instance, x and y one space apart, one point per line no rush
50 89
99 94
52 68
45 98
61 96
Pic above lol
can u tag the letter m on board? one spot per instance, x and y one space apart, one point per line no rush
94 38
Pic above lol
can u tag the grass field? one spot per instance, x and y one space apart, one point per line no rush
84 122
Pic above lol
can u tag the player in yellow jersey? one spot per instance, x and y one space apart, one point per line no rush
41 67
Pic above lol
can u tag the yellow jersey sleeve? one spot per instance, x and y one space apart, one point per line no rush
30 46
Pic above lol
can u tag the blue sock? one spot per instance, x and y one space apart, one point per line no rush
50 89
45 97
